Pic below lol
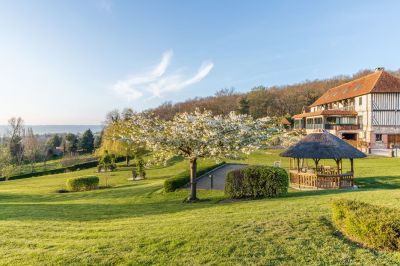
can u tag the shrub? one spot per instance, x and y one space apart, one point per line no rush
134 173
82 183
256 182
140 168
373 226
173 183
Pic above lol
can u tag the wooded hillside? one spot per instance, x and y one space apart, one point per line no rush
261 101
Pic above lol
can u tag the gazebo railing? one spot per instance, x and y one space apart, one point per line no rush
323 181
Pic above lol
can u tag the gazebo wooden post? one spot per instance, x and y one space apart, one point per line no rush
352 171
316 171
298 165
352 165
338 165
341 166
298 171
338 170
316 164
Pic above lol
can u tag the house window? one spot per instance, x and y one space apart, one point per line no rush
360 101
360 121
378 137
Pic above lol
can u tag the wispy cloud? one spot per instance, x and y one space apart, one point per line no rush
156 82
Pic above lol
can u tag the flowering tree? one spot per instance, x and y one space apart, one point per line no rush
287 138
197 135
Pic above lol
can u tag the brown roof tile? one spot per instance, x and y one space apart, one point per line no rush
379 81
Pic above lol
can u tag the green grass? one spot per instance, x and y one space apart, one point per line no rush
135 223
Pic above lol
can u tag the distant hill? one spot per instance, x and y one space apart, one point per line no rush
52 129
261 101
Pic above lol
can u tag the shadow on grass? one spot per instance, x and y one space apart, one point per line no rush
380 182
320 192
143 205
338 234
93 212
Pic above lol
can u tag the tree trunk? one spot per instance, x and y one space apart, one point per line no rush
193 169
127 160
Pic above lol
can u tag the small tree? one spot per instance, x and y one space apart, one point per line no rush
140 168
33 149
134 173
106 163
198 135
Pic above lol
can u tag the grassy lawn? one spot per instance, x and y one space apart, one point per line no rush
135 223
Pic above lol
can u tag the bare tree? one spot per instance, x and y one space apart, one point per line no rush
112 117
32 148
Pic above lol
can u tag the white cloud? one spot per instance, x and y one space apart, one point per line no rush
155 83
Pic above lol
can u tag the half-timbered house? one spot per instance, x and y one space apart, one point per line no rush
365 112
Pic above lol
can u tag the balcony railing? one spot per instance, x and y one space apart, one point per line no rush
333 126
341 127
314 126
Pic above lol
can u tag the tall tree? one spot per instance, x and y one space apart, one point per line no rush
127 113
197 135
86 141
243 106
5 160
54 141
15 134
97 139
112 116
121 147
71 143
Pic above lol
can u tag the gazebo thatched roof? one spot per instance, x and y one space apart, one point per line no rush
322 145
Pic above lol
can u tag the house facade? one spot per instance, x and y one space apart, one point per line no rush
365 112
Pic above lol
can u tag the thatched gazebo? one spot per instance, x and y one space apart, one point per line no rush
317 146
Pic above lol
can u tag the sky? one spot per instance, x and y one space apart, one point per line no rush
72 61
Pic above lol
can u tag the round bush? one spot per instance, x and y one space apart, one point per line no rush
257 182
373 226
83 183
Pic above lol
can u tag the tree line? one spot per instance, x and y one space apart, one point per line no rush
22 146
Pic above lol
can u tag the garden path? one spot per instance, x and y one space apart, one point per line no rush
219 174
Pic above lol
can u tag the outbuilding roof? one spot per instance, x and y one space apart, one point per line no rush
322 145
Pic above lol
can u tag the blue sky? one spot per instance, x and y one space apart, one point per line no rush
69 62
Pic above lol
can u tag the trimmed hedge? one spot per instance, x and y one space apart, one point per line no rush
173 183
256 182
80 166
83 183
373 226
